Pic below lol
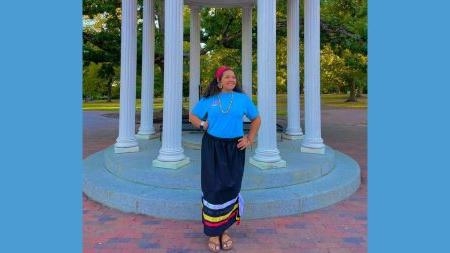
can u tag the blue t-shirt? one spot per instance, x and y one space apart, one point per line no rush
226 125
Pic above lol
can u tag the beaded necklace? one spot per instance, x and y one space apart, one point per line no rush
229 105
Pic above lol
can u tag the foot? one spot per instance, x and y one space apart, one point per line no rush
227 243
214 244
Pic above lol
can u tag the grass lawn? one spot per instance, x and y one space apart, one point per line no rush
328 100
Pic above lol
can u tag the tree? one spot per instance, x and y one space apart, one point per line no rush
101 38
343 40
93 85
344 27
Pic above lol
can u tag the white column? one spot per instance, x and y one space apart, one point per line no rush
267 154
312 142
194 55
247 50
146 129
293 130
126 142
171 155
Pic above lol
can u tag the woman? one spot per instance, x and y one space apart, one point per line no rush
220 112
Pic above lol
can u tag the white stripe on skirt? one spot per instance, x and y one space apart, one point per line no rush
226 204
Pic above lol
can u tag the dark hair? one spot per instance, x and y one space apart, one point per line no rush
213 88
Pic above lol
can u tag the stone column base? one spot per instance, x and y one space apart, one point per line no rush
119 150
292 137
313 150
171 165
147 136
268 165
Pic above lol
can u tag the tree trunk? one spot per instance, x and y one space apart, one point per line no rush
109 89
159 12
160 63
358 92
352 97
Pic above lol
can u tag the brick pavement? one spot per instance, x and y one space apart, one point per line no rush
340 228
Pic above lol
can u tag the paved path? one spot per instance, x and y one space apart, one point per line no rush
335 229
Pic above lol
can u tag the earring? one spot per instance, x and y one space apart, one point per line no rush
220 85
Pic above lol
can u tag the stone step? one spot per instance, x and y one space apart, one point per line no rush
184 204
137 167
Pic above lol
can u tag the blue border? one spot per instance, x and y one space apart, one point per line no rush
408 126
40 77
41 154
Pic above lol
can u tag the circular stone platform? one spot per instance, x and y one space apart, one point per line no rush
128 181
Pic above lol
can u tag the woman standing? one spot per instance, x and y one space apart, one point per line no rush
220 112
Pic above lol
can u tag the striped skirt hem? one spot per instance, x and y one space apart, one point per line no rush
217 218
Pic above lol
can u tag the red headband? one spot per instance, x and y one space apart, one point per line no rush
220 70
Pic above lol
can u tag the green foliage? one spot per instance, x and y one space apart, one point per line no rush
281 65
343 45
93 85
222 28
332 67
344 30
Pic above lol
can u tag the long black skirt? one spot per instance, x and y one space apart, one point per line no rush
222 168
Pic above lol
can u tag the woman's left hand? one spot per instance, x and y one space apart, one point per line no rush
243 143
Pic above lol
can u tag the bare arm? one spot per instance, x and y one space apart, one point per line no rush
248 139
196 121
254 127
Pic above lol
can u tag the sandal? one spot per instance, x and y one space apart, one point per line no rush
225 242
214 244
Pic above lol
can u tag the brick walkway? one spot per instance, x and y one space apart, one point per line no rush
334 229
